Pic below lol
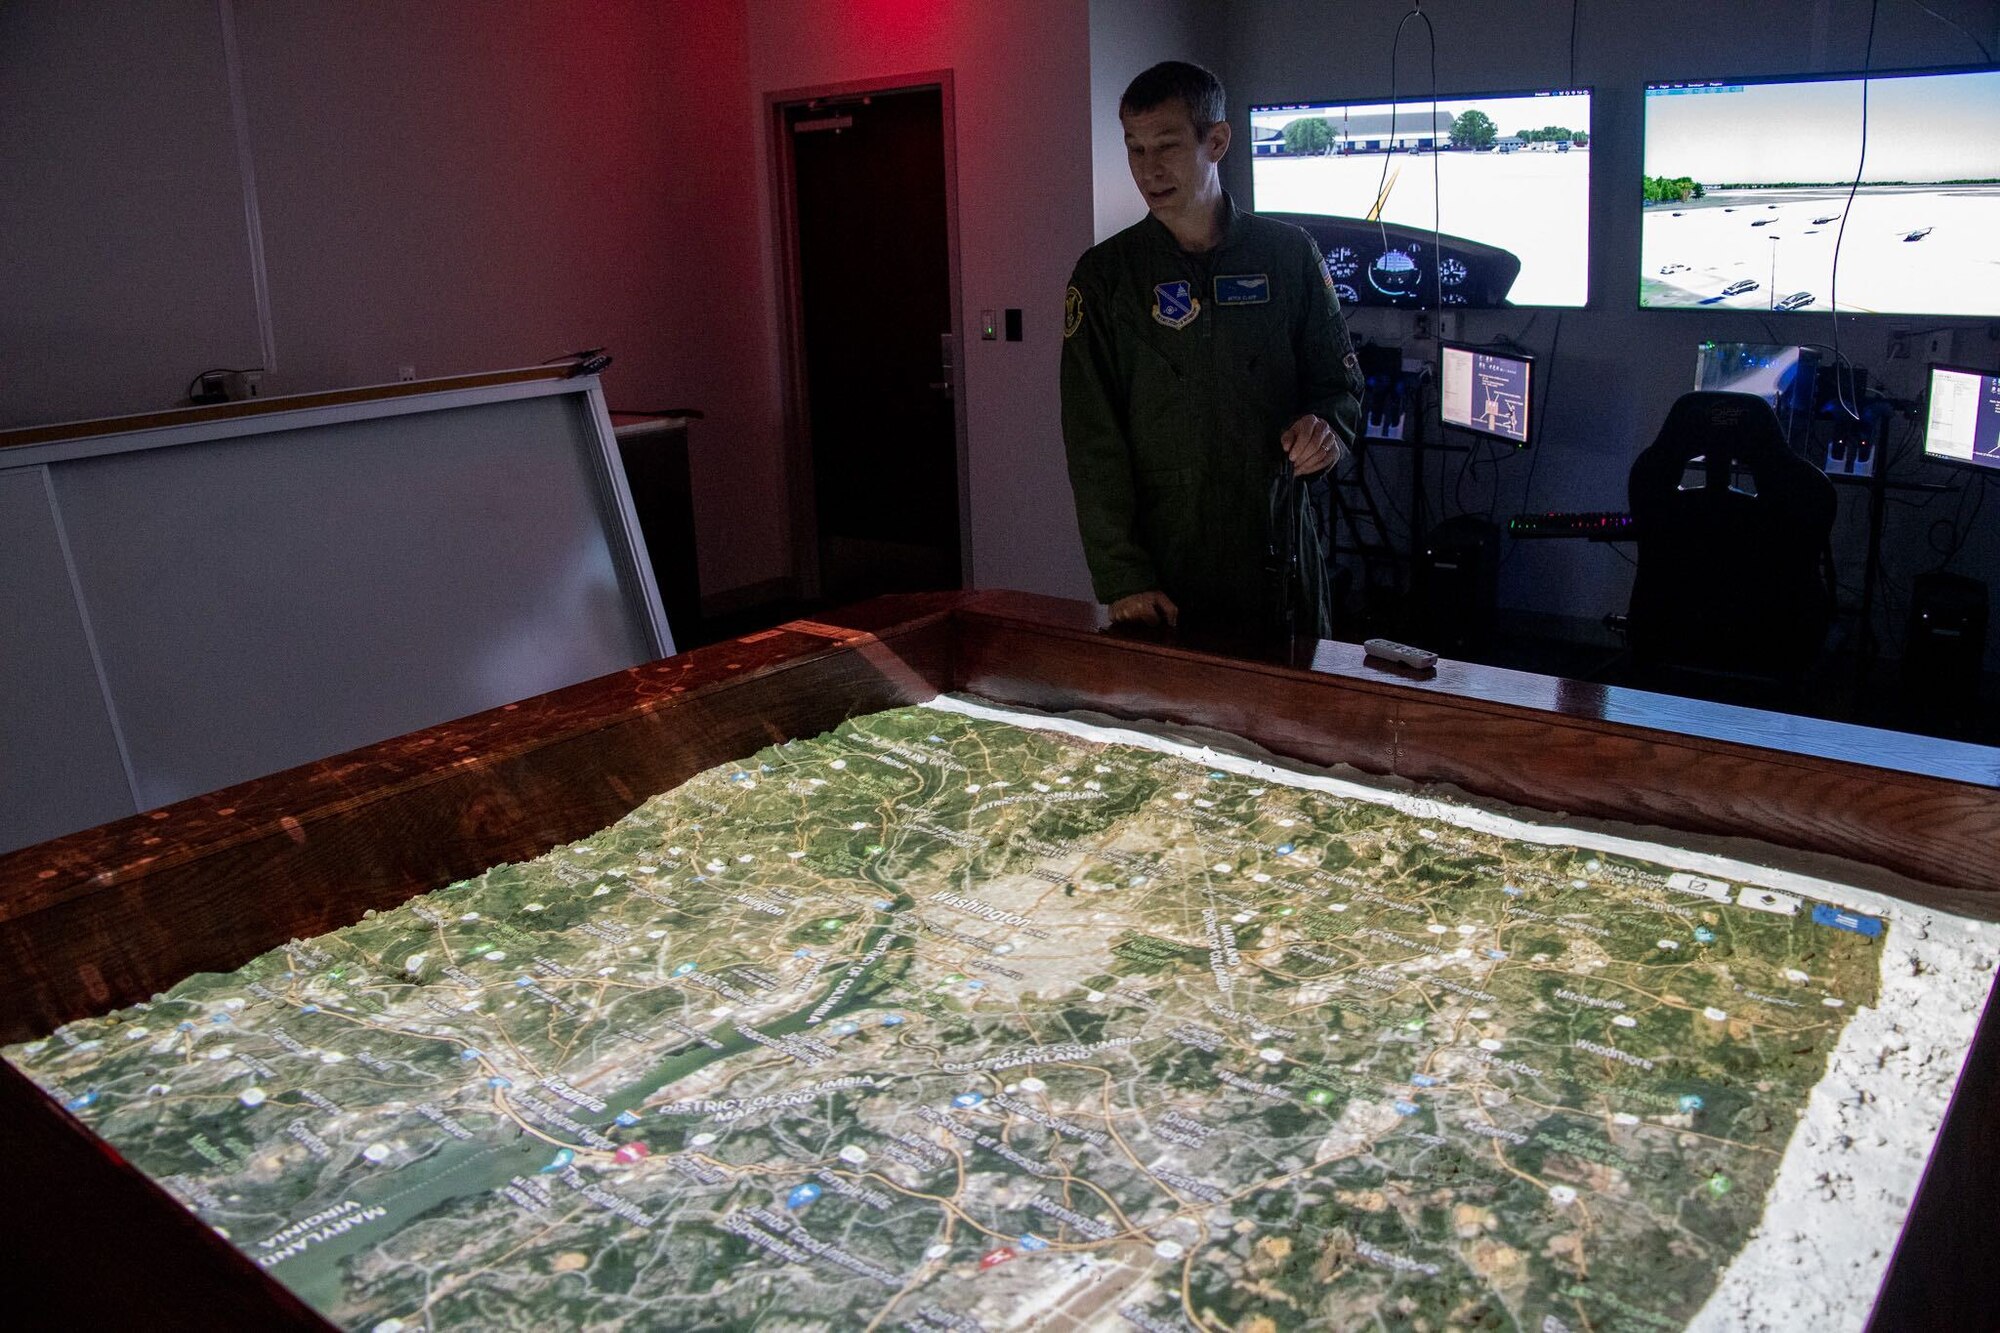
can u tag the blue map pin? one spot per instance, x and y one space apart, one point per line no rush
802 1196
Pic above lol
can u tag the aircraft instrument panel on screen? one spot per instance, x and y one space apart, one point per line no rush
1747 189
1465 201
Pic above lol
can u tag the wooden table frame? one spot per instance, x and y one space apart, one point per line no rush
112 915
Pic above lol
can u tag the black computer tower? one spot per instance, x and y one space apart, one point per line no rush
1945 650
1457 586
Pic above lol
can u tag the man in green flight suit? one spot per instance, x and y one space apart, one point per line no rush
1204 360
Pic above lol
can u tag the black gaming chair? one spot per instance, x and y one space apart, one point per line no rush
1735 589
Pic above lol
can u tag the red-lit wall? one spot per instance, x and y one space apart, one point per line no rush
460 187
1021 74
453 187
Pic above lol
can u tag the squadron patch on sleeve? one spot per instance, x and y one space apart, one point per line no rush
1175 304
1072 313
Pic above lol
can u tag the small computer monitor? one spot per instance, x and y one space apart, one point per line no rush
1962 420
1782 374
1486 391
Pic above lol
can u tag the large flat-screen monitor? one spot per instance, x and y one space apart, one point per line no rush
1486 391
1962 422
1746 190
1472 201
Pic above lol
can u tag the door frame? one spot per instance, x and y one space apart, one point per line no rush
800 488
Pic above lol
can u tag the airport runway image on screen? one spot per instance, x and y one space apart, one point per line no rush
1510 172
1746 189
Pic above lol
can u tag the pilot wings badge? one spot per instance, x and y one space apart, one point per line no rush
1175 304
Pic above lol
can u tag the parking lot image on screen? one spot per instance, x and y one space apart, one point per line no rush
1746 191
1508 172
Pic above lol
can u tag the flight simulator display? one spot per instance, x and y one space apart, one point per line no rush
1747 184
1962 422
1485 391
1473 201
1782 375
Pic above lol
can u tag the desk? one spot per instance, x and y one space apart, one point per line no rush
111 915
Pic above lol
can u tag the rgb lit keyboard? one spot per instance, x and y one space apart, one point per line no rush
1598 526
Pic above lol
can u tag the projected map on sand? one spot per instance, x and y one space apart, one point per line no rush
952 1020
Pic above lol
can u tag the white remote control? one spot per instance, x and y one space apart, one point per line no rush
1390 650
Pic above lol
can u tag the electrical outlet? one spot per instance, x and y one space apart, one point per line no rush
1938 348
1448 322
238 385
1420 329
406 373
1899 346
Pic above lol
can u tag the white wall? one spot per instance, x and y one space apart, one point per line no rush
1618 369
464 186
1127 36
1021 78
124 256
457 187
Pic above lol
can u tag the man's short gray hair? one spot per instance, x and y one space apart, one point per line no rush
1177 81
